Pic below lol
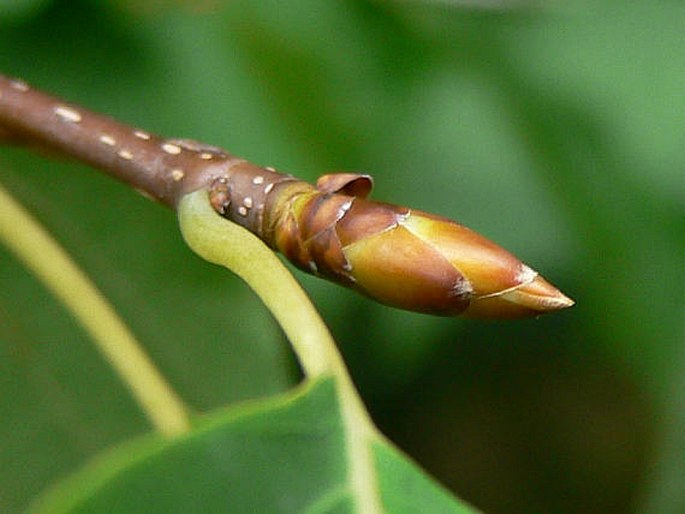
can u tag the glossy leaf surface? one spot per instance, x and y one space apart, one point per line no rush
281 455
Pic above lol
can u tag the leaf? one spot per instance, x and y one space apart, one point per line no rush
405 489
18 10
285 454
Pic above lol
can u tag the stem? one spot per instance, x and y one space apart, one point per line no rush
52 265
225 243
162 169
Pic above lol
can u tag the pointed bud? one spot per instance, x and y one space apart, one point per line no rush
408 259
430 264
502 285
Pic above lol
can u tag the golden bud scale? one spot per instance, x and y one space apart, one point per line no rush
402 257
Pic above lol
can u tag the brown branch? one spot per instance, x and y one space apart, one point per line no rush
160 168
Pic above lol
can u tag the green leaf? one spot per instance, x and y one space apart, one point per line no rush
285 454
405 489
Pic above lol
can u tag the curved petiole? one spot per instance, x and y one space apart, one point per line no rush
36 249
225 243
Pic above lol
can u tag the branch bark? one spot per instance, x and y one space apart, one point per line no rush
163 169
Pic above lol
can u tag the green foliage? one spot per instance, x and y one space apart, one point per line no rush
285 455
282 455
555 133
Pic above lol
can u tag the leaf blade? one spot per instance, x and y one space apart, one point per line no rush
282 454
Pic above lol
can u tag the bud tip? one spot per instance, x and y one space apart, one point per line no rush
533 296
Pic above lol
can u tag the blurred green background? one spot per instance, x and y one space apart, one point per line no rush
556 130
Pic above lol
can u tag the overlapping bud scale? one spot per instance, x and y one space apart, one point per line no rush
406 258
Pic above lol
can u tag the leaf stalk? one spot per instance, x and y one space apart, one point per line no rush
227 244
51 264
